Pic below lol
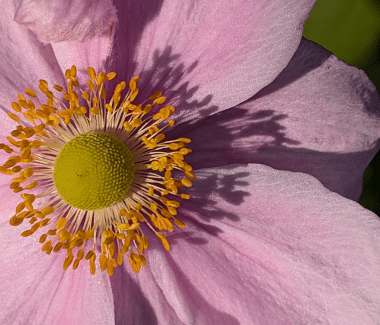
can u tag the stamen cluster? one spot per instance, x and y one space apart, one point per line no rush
112 232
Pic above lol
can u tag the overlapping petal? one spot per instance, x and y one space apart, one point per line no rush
320 116
209 54
71 20
247 256
24 59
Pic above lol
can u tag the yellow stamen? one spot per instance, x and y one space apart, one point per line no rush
118 230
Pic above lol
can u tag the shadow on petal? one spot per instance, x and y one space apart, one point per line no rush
131 307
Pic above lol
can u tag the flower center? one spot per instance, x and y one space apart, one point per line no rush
93 171
96 194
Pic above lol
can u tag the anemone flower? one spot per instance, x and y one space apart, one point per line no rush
182 162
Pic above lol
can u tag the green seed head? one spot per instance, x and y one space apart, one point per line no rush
93 171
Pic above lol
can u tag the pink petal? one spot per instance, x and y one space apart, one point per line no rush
262 246
318 117
24 60
70 20
34 288
213 54
92 53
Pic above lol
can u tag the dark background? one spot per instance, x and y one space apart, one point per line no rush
351 30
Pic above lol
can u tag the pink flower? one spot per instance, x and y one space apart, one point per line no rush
281 132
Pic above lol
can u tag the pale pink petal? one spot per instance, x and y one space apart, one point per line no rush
92 53
318 117
261 246
7 125
24 60
206 54
34 288
69 20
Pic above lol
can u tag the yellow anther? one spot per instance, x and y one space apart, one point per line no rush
86 95
67 74
47 210
150 190
107 233
153 206
185 196
30 92
58 88
127 126
133 83
172 211
157 116
68 261
63 235
13 117
154 129
168 174
155 165
46 246
20 207
24 104
76 243
16 169
166 213
39 214
155 95
147 108
100 79
91 73
73 71
190 175
163 239
27 233
80 254
92 265
103 262
32 185
76 264
179 223
123 226
159 100
95 110
61 223
160 137
21 97
175 146
91 85
57 247
16 107
30 198
80 234
89 255
43 238
54 119
134 94
110 75
43 88
119 258
109 108
134 226
81 110
90 234
136 122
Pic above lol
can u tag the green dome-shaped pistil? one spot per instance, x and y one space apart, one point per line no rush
93 171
